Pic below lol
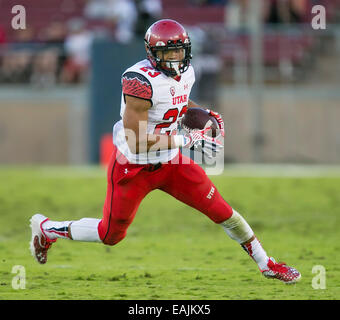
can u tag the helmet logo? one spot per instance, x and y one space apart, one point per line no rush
160 43
172 91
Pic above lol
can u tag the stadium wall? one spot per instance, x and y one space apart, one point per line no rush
51 126
300 125
43 126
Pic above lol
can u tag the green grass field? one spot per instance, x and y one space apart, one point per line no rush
171 251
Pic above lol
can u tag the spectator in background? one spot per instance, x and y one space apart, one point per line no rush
54 35
123 13
24 38
96 9
298 10
50 58
77 49
44 68
149 11
120 14
54 38
16 60
285 11
237 14
15 67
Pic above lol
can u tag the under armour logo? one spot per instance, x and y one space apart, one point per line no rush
126 171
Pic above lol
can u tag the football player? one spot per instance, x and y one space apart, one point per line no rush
146 156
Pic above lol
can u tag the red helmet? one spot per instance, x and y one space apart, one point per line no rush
164 35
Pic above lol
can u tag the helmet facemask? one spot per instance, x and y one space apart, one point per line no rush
170 67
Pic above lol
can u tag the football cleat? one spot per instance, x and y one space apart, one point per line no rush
40 243
281 272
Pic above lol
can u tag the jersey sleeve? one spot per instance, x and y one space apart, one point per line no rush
135 84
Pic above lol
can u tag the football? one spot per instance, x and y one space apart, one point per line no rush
197 118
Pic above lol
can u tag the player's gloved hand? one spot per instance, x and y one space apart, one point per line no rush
197 138
219 120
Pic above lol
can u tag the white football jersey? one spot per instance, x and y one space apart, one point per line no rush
169 98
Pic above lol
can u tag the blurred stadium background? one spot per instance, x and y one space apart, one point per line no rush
273 77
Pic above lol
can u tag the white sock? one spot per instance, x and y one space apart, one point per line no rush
85 229
255 250
238 229
56 229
